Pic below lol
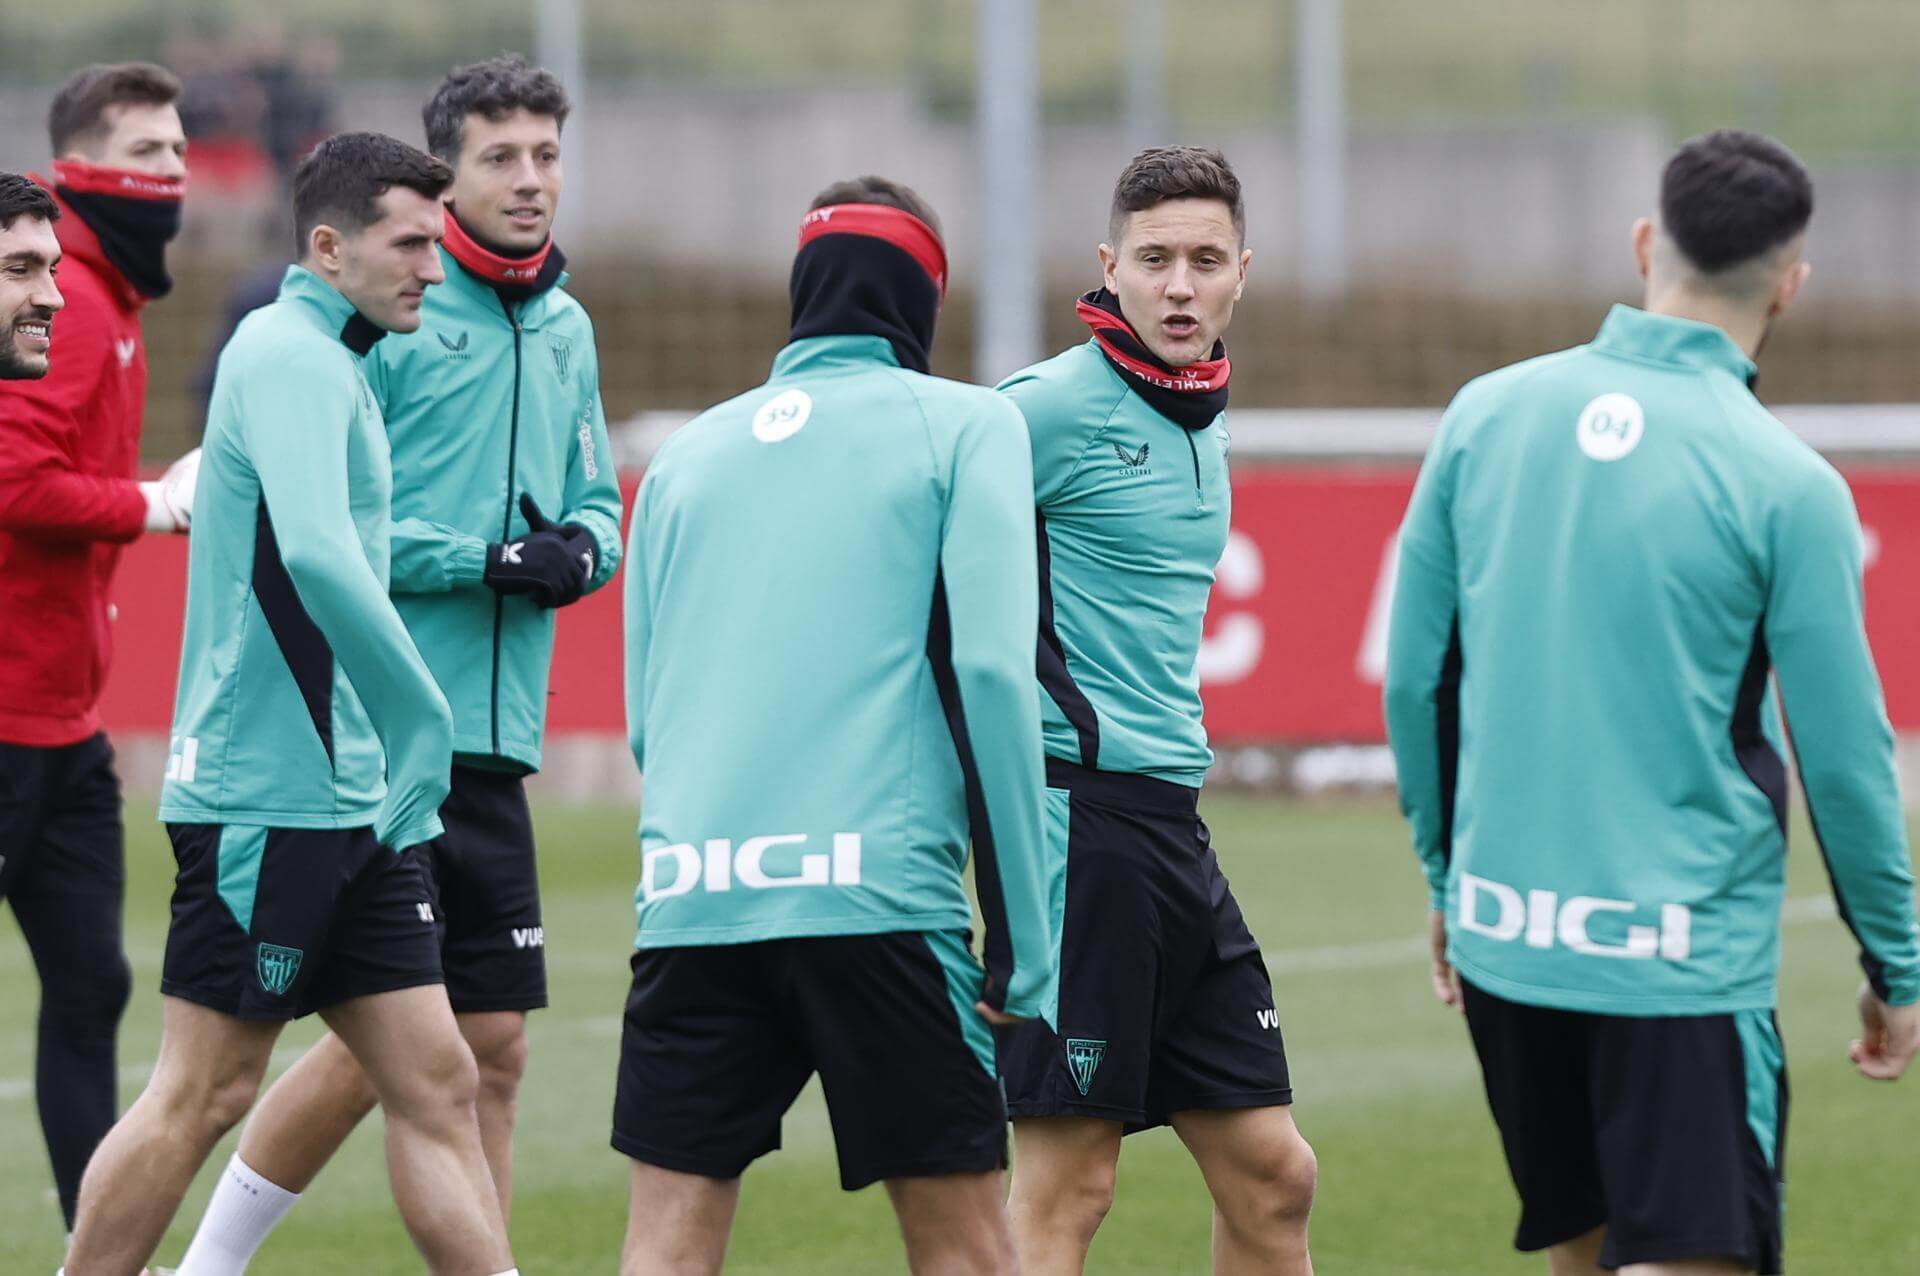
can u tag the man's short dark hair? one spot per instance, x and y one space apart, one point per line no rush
495 88
1730 196
878 190
78 117
340 180
1161 173
20 197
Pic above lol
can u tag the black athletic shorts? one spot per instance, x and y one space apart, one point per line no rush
486 894
1669 1132
277 923
1165 1004
719 1041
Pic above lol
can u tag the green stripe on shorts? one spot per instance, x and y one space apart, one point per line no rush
240 850
965 983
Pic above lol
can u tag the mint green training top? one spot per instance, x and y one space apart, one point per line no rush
1133 513
302 702
1607 551
830 609
487 400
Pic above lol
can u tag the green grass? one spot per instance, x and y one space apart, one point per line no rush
1412 1183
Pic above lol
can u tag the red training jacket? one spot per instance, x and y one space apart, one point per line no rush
69 447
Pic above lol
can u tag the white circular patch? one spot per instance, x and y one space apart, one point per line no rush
1611 426
782 416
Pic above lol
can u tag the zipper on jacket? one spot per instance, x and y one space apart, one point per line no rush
506 520
1199 499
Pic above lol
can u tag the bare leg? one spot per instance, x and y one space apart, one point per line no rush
954 1225
499 1043
1691 1267
1261 1174
1578 1257
677 1224
1063 1175
208 1073
424 1074
306 1115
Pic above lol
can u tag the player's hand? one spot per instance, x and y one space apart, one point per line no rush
170 497
579 542
1446 980
998 1018
1889 1038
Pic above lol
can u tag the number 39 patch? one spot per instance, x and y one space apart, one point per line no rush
1610 427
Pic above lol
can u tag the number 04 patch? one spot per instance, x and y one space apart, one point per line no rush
1610 427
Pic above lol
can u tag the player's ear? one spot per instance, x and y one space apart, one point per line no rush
1643 233
1246 255
1108 260
1789 286
324 246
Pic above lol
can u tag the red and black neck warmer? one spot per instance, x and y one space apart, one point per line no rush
515 278
133 215
869 270
1190 396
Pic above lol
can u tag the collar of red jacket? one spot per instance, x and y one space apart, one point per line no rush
77 240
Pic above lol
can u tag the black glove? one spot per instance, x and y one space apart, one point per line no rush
540 565
580 548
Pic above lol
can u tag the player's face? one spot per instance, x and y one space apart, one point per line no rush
144 138
386 269
506 183
1177 270
29 252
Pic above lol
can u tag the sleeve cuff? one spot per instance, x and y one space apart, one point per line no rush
467 564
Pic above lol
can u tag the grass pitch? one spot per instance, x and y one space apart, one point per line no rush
1411 1178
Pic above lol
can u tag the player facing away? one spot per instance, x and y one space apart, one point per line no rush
829 610
492 407
1166 1014
310 749
70 422
1608 551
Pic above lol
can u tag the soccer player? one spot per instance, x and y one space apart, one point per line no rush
492 407
1608 551
829 616
1166 1014
69 500
310 748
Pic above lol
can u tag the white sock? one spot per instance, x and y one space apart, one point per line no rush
514 1271
243 1210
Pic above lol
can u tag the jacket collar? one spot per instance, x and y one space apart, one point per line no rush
478 291
814 355
332 311
1686 343
78 241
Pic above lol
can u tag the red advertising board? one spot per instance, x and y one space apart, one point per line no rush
1294 640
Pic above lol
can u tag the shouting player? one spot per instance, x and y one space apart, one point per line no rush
1166 1014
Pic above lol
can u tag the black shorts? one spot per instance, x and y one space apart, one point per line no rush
486 895
277 923
719 1041
1165 1004
1669 1132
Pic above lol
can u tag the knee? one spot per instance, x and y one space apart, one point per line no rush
445 1081
87 1001
501 1062
207 1107
1074 1203
1277 1185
